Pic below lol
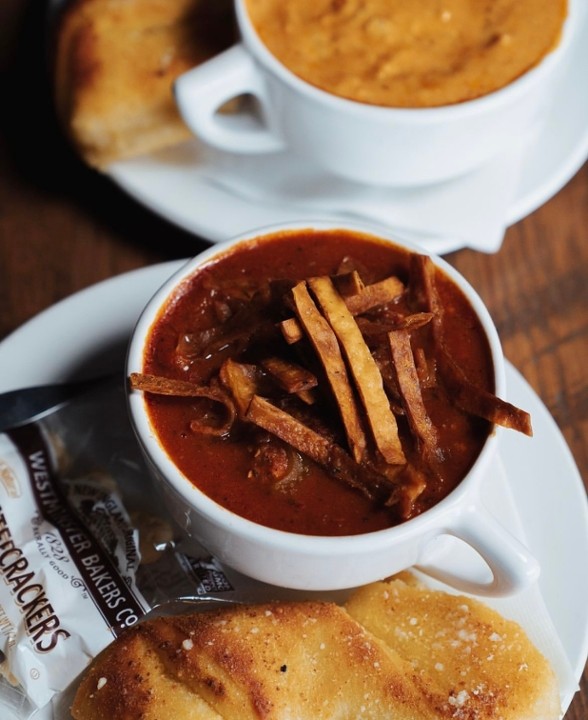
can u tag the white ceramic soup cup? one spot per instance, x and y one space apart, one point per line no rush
307 562
365 143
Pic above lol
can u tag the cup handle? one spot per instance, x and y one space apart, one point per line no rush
512 566
200 92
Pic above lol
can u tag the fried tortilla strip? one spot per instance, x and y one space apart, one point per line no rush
405 494
291 331
293 378
165 386
480 402
363 367
241 382
423 291
414 321
378 293
265 414
323 451
410 391
215 416
378 329
425 372
326 346
361 299
349 283
463 393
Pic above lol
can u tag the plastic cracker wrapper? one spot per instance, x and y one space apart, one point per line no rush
86 549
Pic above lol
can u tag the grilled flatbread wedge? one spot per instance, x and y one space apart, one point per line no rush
115 64
396 651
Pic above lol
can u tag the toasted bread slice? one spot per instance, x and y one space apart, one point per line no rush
115 64
398 652
477 664
287 660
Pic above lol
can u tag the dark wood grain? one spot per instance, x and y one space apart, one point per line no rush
64 227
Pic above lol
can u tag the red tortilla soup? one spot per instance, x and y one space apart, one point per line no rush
322 382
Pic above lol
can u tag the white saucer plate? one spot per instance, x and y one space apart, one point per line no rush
88 332
176 183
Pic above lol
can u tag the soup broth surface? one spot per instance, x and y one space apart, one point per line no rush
420 53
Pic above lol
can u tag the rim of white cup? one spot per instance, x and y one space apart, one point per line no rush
279 539
497 98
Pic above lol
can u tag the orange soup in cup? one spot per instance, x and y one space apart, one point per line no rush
394 53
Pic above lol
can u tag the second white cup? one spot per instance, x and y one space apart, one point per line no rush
365 143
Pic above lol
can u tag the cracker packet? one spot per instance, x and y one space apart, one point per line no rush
86 548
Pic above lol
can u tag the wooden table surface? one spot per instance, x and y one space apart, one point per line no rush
64 227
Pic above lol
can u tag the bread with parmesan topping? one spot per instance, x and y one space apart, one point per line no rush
477 664
115 64
397 651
